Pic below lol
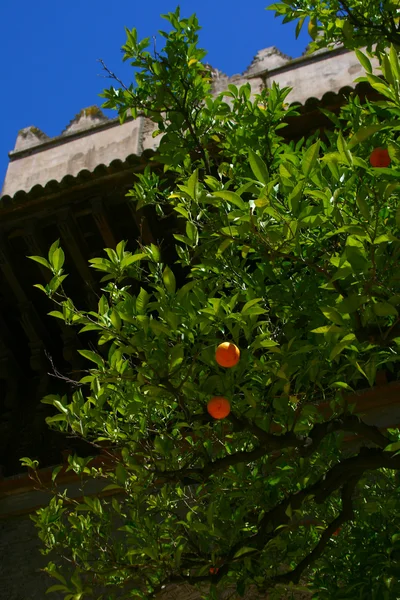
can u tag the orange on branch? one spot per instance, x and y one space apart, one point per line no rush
227 354
219 407
214 570
380 157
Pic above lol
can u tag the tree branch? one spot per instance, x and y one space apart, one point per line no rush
339 475
345 475
346 514
306 445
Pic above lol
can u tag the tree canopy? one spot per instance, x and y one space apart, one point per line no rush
354 23
287 249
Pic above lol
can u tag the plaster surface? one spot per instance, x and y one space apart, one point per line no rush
91 139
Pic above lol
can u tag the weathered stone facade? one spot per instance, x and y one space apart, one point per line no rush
91 139
21 577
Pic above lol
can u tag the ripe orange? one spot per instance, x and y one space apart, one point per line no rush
219 407
214 570
227 355
380 157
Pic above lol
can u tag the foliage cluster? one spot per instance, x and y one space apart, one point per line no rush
290 250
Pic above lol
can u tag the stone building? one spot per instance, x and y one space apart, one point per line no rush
73 187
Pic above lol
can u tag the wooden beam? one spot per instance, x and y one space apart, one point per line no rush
145 235
102 223
32 324
67 229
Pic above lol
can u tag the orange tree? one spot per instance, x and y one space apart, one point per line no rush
289 251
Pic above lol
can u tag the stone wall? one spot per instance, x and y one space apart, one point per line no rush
21 577
91 139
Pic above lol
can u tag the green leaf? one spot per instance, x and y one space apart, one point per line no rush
328 329
244 550
93 357
251 303
350 304
259 168
232 230
112 486
224 245
57 588
28 462
55 419
41 260
183 238
192 233
91 327
356 257
178 555
142 301
151 553
312 28
121 473
60 406
155 252
254 310
386 237
56 471
392 447
231 197
192 184
182 211
310 158
299 26
57 314
345 343
333 315
159 328
169 280
176 356
115 320
129 260
364 60
364 133
268 344
394 62
380 86
344 151
363 206
52 249
394 151
58 259
342 385
55 283
185 289
384 309
295 197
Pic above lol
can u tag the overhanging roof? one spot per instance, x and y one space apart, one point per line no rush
93 147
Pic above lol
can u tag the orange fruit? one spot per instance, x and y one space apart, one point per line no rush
219 407
380 157
227 355
214 570
335 533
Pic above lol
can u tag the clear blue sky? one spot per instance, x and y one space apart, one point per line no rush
49 51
